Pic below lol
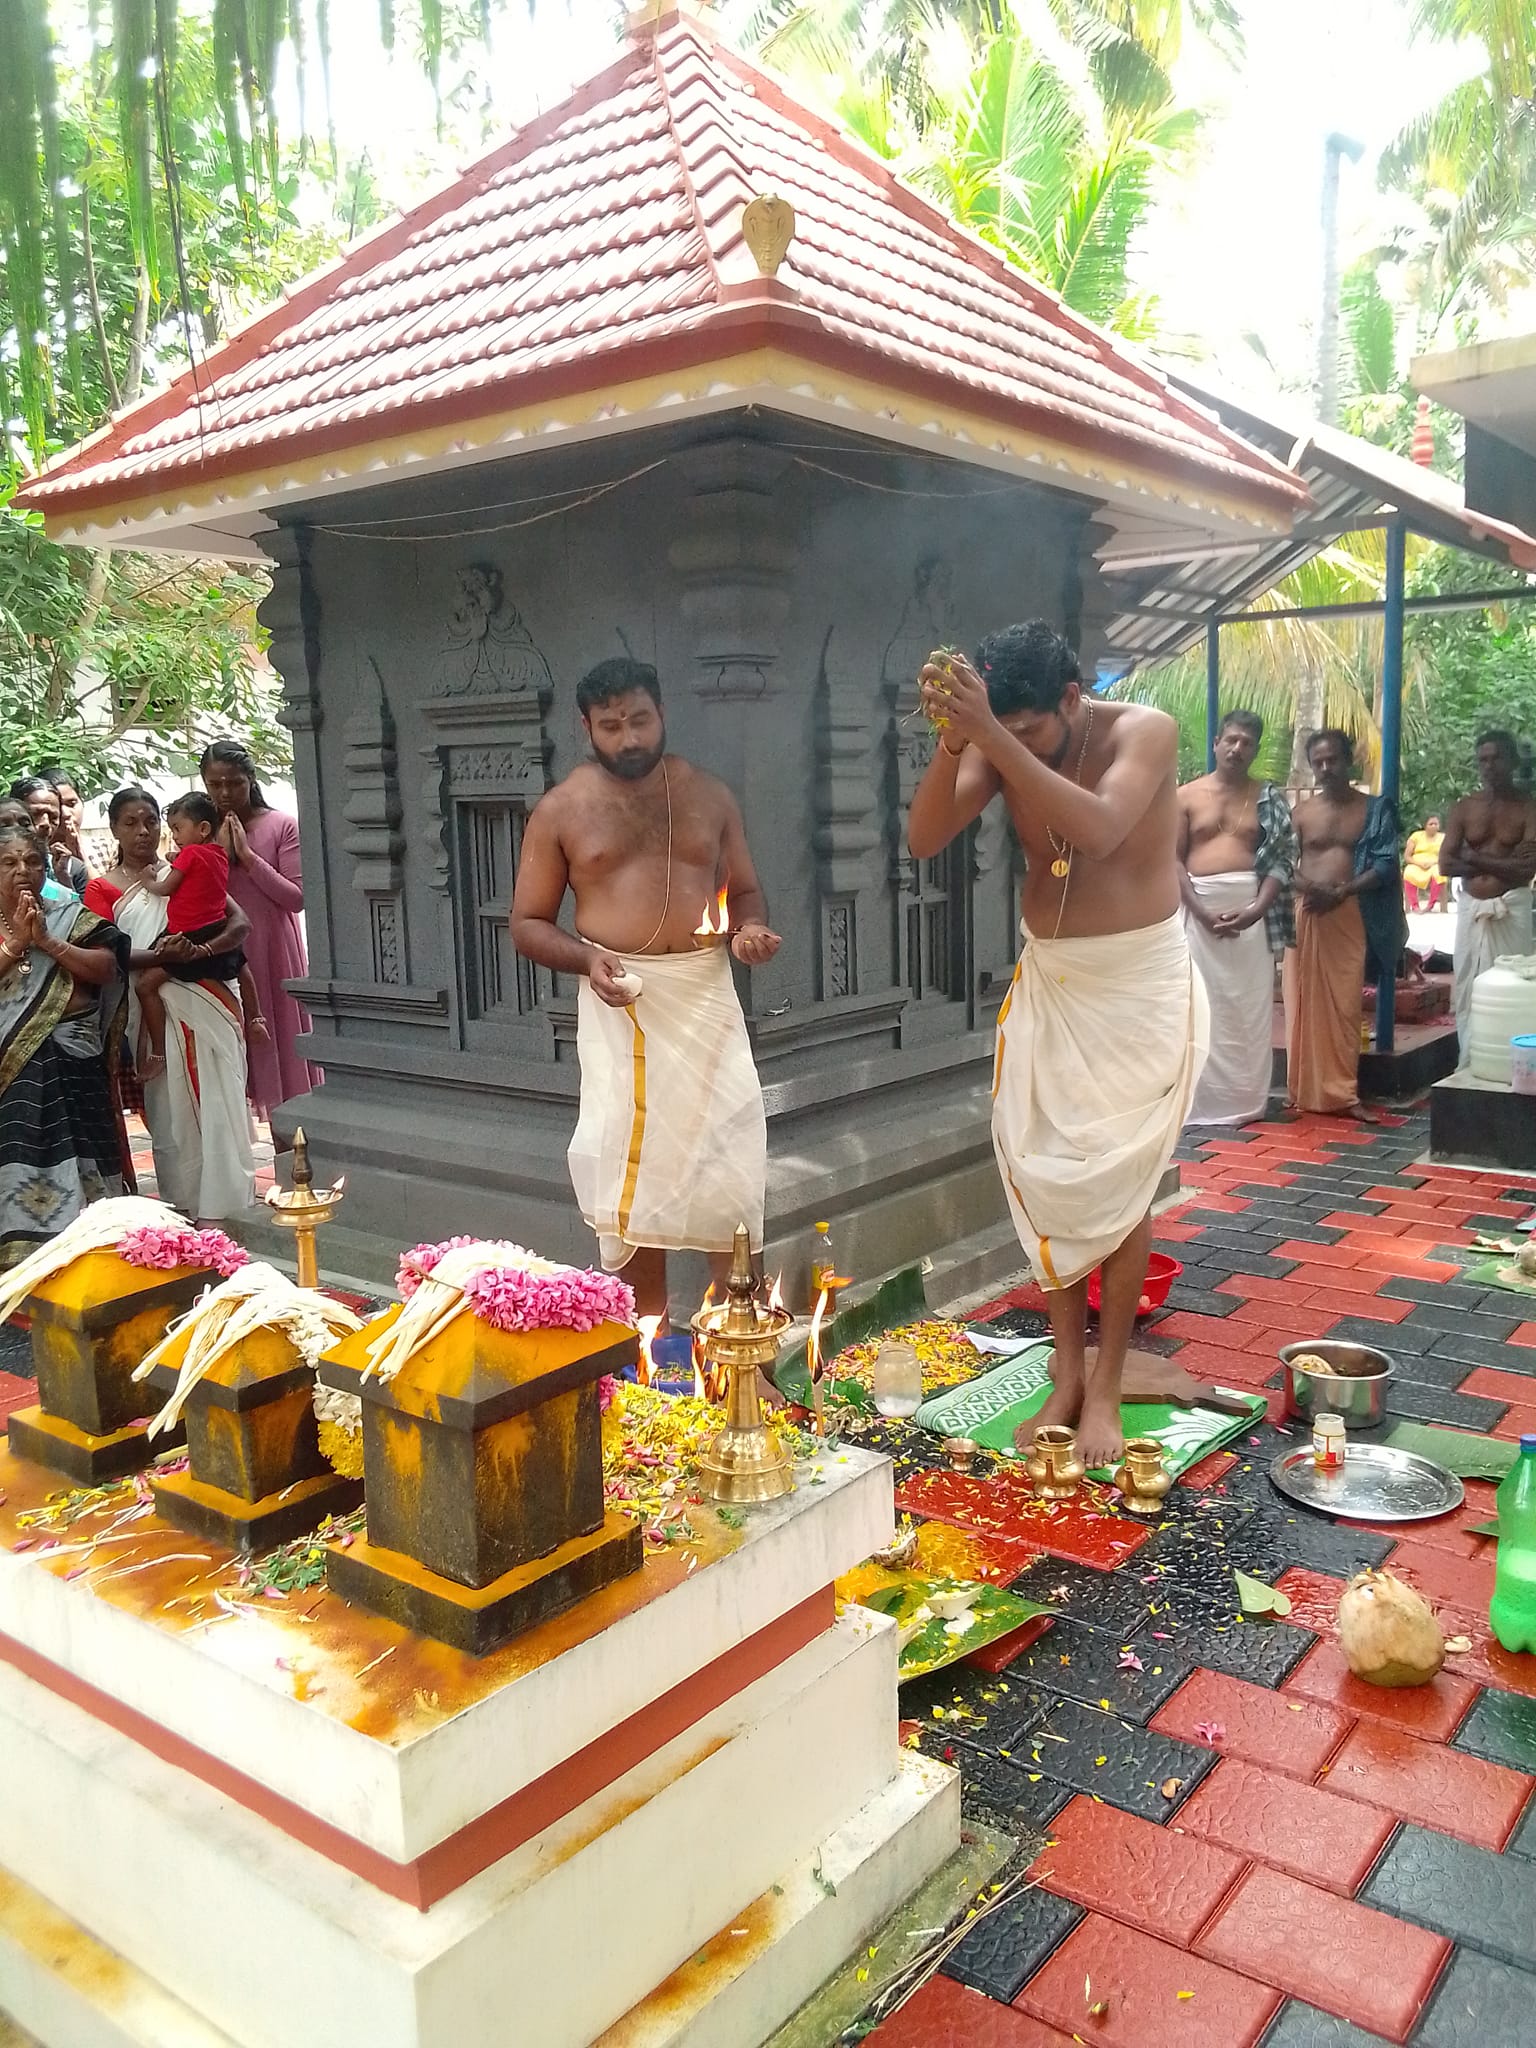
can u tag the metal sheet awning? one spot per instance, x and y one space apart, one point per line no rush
1168 586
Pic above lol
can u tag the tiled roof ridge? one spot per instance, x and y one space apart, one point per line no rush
294 301
676 27
682 61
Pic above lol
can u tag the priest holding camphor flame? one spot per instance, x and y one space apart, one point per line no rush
671 1145
1104 1031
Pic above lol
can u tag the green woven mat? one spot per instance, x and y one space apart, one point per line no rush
988 1410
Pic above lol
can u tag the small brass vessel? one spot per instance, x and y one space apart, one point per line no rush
746 1461
1053 1468
962 1453
1143 1479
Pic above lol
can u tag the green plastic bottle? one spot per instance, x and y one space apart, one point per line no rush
1512 1612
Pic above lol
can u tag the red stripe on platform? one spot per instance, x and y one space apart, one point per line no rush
447 1865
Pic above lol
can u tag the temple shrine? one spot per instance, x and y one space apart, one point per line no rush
679 370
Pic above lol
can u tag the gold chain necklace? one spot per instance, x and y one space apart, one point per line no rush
1061 866
21 967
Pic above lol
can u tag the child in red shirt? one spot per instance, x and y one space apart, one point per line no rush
197 884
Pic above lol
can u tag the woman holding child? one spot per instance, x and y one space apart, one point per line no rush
194 1103
61 993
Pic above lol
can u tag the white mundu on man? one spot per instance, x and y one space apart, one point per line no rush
1237 857
670 1151
1103 1033
1490 848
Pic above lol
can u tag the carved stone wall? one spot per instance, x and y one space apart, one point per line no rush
373 812
847 835
736 564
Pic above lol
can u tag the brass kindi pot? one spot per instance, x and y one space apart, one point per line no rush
1053 1468
1143 1479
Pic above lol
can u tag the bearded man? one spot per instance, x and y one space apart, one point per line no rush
671 1145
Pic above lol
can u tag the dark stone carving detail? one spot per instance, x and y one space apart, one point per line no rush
373 809
490 649
499 771
291 614
841 979
385 912
930 911
735 562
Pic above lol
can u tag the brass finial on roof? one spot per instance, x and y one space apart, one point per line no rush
768 228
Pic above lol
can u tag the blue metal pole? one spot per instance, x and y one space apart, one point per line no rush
1391 736
1212 690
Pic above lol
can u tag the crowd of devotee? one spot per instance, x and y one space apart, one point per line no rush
144 977
150 976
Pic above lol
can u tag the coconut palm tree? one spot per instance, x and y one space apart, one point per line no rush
137 46
1470 159
1045 125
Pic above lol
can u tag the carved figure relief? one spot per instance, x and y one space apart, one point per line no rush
490 649
928 620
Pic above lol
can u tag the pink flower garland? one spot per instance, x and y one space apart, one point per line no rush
508 1298
161 1249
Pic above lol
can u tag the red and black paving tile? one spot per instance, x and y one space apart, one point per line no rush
1228 1838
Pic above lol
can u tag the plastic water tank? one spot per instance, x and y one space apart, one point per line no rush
1503 1007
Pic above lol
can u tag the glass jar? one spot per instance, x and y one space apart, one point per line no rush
897 1377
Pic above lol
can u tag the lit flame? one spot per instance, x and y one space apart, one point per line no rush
700 1383
813 1357
813 1343
709 930
646 1363
776 1294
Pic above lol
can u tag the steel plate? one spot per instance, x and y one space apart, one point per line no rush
1377 1484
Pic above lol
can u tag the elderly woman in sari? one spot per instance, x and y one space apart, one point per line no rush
199 1122
61 988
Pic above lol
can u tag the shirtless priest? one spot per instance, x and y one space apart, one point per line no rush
1103 1034
671 1146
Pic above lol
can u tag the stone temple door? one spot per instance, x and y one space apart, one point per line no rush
487 767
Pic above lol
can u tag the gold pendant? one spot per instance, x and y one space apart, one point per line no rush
1061 869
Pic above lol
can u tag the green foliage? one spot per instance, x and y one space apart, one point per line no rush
120 664
1048 130
1475 669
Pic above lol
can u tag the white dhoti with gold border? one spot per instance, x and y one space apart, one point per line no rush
671 1143
1100 1042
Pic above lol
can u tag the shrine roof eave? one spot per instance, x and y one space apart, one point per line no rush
765 350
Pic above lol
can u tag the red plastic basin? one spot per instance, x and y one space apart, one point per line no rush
1162 1271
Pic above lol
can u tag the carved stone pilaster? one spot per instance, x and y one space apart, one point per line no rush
291 614
372 815
735 561
373 810
847 830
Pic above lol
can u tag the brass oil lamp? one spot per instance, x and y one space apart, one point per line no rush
303 1208
745 1462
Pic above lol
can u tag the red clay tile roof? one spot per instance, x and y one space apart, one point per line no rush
603 243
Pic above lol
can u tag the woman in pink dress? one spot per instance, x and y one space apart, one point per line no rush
266 880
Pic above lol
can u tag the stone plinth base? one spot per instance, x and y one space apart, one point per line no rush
299 1825
1482 1123
88 1460
479 1619
249 1526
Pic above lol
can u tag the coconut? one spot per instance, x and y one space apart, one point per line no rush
1388 1632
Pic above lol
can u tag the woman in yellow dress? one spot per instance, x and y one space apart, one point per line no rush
1421 866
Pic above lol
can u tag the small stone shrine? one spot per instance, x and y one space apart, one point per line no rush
482 1458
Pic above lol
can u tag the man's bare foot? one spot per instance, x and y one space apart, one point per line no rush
1059 1410
151 1068
1100 1439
